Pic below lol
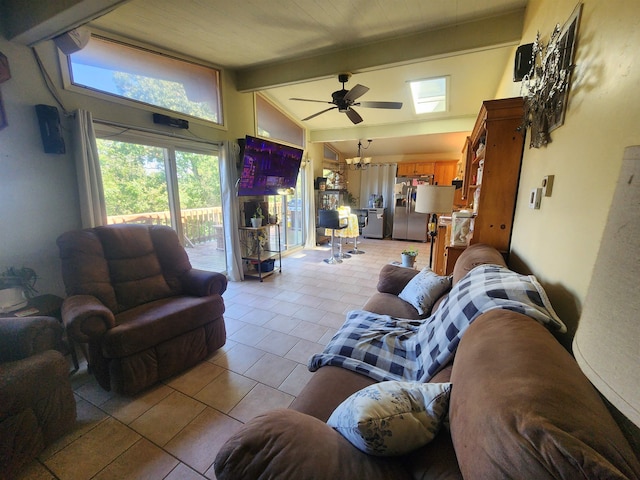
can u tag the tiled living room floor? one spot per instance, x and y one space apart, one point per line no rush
174 430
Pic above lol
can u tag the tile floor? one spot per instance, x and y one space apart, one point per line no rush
174 430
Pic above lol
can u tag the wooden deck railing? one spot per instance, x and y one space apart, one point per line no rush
199 225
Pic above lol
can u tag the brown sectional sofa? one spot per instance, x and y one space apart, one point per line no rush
519 408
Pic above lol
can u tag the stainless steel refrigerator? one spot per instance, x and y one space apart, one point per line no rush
407 224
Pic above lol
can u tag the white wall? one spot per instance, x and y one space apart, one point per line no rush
38 193
38 198
559 242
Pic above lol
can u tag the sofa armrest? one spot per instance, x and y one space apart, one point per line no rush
25 382
22 337
86 317
202 283
393 278
521 404
289 444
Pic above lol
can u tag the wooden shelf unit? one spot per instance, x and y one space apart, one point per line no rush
497 126
259 245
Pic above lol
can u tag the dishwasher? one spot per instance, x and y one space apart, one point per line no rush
375 223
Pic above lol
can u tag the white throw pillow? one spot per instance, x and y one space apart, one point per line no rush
424 289
392 418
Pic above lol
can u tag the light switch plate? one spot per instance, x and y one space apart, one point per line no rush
535 197
547 185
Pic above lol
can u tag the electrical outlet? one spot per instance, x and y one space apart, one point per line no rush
535 197
547 185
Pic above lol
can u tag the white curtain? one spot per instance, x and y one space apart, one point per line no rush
92 205
379 179
228 178
309 203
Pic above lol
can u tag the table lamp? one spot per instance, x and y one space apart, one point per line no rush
606 341
434 199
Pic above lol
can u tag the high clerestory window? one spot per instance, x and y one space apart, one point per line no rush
151 78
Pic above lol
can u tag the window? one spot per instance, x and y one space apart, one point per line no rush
147 77
166 185
275 125
430 95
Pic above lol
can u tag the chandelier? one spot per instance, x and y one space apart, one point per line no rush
359 162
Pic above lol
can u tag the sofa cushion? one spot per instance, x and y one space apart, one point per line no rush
150 324
390 304
521 406
393 278
392 418
291 445
424 289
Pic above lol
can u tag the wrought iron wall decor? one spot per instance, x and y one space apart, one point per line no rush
546 87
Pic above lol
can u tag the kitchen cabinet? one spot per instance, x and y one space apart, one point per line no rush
445 172
412 169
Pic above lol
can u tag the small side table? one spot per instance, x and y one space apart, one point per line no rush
47 305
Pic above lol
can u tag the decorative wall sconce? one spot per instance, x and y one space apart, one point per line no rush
359 162
546 87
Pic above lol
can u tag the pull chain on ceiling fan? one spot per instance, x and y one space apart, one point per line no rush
344 100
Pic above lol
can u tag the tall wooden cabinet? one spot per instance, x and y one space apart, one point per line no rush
492 174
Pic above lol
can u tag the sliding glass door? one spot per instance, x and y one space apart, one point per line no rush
165 185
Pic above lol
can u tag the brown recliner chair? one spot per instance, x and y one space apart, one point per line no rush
36 400
134 298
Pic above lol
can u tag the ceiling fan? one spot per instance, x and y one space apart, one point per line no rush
344 100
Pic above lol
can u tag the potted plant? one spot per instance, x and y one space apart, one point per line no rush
256 220
409 257
17 285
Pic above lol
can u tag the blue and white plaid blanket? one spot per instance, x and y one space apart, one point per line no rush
388 348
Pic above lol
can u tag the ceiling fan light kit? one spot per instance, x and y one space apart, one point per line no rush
344 100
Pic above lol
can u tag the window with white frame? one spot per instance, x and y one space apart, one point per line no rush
147 77
153 180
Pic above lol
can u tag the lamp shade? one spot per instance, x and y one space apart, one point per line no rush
607 342
434 198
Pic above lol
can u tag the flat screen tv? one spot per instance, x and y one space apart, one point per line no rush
267 167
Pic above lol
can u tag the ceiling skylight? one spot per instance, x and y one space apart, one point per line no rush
430 94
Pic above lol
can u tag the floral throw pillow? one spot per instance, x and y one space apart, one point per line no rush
392 418
424 289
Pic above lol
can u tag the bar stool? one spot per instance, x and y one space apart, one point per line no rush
362 222
330 219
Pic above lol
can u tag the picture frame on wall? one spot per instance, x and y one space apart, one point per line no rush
566 47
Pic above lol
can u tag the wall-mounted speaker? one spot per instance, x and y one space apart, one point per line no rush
170 121
50 131
523 62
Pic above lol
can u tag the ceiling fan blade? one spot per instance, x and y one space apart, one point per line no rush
389 105
309 100
355 92
319 113
353 116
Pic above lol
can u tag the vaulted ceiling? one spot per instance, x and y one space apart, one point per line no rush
297 48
